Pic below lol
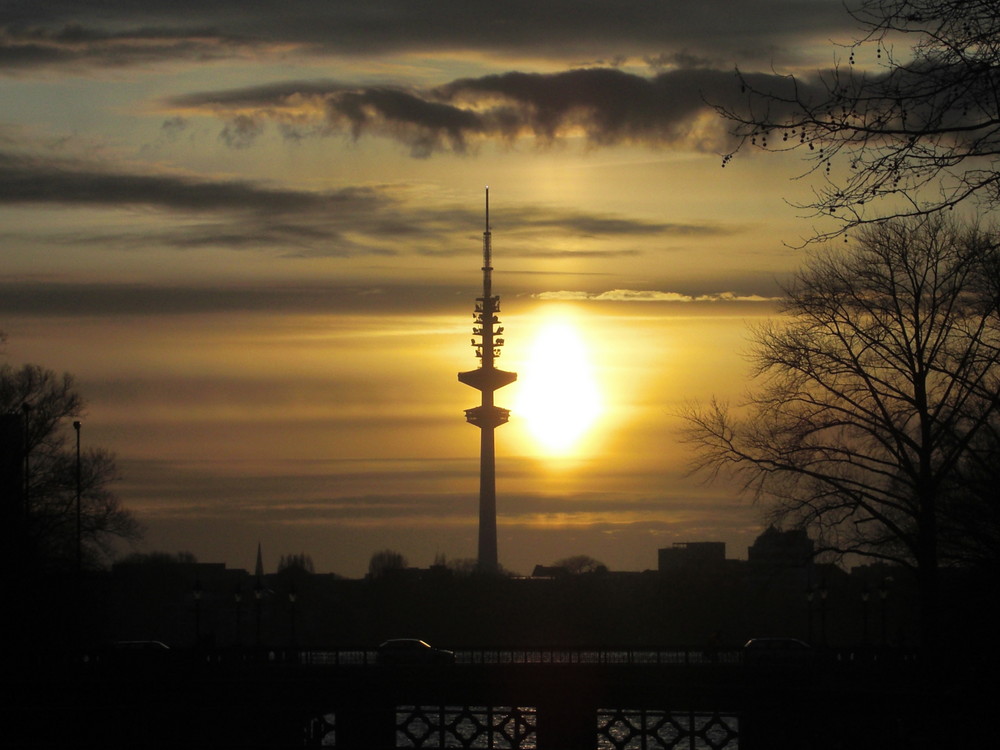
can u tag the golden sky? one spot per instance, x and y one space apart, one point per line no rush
256 239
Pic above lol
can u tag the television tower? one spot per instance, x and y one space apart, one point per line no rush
487 340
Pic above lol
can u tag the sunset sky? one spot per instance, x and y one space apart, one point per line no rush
253 231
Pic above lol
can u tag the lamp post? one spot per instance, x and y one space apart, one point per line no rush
883 594
26 411
810 594
197 613
822 610
292 596
258 594
238 598
865 595
79 515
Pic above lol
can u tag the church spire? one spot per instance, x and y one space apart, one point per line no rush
259 570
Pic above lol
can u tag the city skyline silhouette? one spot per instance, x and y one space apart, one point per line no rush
744 492
255 256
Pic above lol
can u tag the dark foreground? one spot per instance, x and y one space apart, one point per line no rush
276 701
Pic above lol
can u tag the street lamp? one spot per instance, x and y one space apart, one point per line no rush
26 410
864 613
810 594
883 594
258 594
79 524
822 609
197 612
292 596
238 598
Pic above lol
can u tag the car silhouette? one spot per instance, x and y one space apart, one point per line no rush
777 651
411 651
138 652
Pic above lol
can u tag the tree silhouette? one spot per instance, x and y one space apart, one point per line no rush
919 136
48 528
383 562
877 399
159 558
577 564
301 562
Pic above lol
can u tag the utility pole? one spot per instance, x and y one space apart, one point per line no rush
79 514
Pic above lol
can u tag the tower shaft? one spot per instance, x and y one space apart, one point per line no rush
487 554
487 340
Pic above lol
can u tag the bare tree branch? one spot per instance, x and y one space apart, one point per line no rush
46 401
918 136
876 416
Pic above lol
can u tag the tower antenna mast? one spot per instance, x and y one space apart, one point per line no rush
487 341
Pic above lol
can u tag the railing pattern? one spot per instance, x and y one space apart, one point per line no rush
321 731
488 727
562 700
641 729
514 728
545 656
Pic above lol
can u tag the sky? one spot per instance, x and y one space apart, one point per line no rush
253 232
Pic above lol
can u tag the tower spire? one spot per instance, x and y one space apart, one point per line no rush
487 340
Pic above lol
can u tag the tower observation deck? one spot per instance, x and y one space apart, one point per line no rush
488 341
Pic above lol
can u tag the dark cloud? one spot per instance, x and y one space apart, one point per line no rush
296 223
263 96
673 109
609 104
236 214
74 45
532 219
27 179
41 297
241 131
128 32
646 295
53 298
425 124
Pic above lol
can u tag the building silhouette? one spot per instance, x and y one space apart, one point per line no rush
683 555
792 548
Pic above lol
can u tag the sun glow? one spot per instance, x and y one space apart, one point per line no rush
558 399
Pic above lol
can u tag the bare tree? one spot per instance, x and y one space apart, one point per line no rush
876 398
578 564
384 561
46 401
920 135
464 566
158 558
300 562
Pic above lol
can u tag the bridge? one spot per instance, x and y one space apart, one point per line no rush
525 700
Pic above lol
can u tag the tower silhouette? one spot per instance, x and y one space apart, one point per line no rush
487 340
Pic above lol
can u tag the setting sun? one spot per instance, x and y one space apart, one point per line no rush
559 399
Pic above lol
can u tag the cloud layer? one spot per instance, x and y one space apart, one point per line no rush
209 217
605 106
246 214
634 295
120 33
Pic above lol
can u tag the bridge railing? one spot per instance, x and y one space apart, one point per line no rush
538 655
644 656
596 656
